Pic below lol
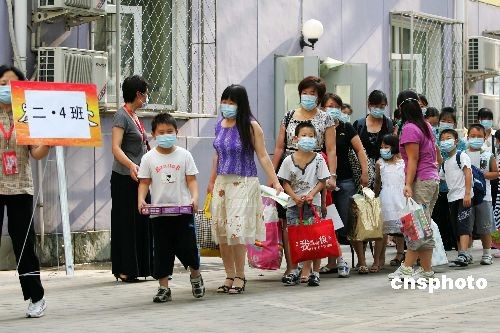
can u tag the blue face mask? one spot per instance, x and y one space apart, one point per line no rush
229 110
5 96
308 102
377 112
424 110
447 145
476 143
306 143
487 123
345 118
334 113
166 140
386 153
443 126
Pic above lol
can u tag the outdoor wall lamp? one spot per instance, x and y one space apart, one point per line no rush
312 31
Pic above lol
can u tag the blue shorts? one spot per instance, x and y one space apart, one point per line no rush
292 214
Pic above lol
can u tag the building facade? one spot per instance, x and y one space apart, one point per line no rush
191 50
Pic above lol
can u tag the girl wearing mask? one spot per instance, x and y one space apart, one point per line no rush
237 204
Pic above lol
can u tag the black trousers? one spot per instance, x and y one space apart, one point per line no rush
441 215
131 234
19 212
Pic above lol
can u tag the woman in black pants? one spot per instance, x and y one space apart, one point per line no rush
16 194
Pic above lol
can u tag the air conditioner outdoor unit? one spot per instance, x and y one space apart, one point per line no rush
93 6
61 64
484 55
478 101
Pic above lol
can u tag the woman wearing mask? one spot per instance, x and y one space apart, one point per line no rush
16 194
237 204
131 246
311 91
371 130
346 139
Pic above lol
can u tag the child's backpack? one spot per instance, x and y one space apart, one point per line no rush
478 180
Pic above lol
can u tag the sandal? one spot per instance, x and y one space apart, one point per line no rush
363 270
400 257
238 290
375 268
327 270
224 289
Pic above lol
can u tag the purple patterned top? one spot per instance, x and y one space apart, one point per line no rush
233 159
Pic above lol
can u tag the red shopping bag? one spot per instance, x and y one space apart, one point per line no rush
314 241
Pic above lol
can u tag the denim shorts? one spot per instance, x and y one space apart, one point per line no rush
292 214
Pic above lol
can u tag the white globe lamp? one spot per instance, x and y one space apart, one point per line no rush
311 30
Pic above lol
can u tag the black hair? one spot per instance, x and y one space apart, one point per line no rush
377 97
423 99
244 117
305 124
497 136
131 85
479 127
163 118
329 96
411 111
397 114
449 130
448 112
4 69
393 141
431 112
485 113
346 106
313 82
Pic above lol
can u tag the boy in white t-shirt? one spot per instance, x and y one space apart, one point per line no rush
482 213
304 174
169 172
459 181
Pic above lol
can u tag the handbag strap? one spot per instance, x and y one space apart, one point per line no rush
301 214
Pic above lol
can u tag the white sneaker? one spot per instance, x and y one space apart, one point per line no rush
401 273
421 274
36 310
486 259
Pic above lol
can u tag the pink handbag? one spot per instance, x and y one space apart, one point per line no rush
269 253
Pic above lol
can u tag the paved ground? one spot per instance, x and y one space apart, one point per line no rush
93 301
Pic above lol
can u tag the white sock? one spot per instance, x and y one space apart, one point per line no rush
486 252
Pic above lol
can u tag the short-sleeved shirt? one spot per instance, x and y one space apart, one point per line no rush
21 182
427 156
168 175
455 177
304 180
345 132
321 122
132 143
481 159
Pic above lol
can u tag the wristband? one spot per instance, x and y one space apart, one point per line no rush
333 174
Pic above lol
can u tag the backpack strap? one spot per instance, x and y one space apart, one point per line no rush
457 157
288 118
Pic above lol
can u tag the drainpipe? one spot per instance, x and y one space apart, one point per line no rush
21 30
461 15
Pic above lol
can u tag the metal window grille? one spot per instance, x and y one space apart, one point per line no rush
172 44
427 56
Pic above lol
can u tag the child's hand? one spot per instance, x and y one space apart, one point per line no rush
467 201
141 203
308 198
195 205
298 201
